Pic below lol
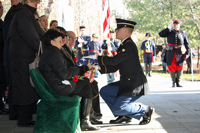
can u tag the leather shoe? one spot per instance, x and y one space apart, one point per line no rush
4 111
147 116
121 119
96 121
178 85
94 115
25 124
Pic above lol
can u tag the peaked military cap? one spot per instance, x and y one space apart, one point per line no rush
125 23
148 35
176 21
94 35
82 26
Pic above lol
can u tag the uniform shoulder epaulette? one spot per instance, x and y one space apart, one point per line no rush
128 41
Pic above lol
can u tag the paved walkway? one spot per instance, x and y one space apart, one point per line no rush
177 110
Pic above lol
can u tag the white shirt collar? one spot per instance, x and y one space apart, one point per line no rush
124 40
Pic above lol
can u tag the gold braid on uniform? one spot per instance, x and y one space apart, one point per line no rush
103 64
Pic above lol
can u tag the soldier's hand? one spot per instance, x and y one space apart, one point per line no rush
170 26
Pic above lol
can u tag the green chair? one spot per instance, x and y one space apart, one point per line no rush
55 114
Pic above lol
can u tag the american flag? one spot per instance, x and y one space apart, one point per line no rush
84 60
106 22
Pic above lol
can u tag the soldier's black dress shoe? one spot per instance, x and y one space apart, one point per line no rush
147 116
121 119
96 121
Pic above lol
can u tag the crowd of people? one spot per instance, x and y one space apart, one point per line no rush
23 30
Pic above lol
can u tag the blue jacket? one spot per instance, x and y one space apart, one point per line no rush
94 47
178 38
150 49
85 47
114 44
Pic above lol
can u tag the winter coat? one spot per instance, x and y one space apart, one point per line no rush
57 71
24 35
7 21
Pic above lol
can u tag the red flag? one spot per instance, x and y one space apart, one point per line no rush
106 22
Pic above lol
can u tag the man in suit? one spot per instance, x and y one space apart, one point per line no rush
120 96
82 43
95 113
149 53
178 47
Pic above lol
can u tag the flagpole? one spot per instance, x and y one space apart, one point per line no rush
109 6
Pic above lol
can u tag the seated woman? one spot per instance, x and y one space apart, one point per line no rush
53 67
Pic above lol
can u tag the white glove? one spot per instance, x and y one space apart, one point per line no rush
170 26
85 42
80 40
80 45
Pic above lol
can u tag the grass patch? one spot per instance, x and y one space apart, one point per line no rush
184 76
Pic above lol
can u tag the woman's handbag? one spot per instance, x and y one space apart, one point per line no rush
35 63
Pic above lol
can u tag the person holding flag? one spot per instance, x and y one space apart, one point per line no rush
82 43
110 47
149 53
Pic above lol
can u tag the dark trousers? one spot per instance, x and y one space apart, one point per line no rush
83 89
25 112
3 84
95 97
13 114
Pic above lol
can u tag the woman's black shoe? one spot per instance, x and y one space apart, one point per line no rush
25 124
96 121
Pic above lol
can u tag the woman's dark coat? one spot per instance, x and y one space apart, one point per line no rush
54 69
24 35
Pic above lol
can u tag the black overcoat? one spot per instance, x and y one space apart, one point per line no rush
55 69
132 82
24 35
177 38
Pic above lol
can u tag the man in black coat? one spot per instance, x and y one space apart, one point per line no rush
24 35
178 48
13 115
120 96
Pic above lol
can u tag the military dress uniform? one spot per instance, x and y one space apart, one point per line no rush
175 55
119 96
149 52
84 48
114 44
94 47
